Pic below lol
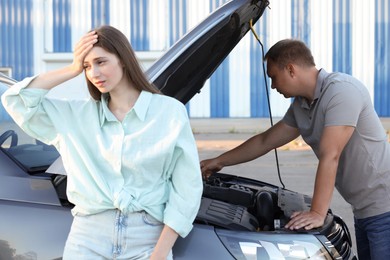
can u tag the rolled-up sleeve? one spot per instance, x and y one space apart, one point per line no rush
26 108
186 184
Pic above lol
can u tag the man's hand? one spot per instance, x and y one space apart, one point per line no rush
305 219
210 166
256 146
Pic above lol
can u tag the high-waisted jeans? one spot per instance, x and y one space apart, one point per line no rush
113 235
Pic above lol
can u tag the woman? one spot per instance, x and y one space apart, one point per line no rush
133 168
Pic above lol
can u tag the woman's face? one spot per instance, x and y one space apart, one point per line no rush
103 69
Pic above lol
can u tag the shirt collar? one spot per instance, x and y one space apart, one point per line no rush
140 107
320 81
317 92
142 104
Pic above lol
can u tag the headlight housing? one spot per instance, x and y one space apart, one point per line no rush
253 246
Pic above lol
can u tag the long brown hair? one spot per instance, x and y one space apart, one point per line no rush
114 41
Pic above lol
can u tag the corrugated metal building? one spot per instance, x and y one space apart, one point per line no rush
351 36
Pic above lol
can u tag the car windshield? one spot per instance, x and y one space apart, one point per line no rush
30 154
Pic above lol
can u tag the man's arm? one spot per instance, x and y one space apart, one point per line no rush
333 141
256 146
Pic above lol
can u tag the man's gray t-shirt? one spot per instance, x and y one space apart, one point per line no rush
363 175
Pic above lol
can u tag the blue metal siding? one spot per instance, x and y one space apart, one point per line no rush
382 58
16 50
62 26
219 91
300 24
219 81
100 13
342 36
177 24
177 20
258 98
139 24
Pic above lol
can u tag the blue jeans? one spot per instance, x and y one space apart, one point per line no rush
373 237
112 235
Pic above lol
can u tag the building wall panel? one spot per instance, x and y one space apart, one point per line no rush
259 83
363 51
16 37
100 12
62 25
382 58
344 35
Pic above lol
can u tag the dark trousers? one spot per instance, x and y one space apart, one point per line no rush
373 237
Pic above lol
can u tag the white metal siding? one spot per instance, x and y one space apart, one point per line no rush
352 36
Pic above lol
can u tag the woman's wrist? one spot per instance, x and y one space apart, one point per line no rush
73 70
158 255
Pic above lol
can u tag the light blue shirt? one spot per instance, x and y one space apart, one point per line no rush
149 161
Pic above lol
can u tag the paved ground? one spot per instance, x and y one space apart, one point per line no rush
297 163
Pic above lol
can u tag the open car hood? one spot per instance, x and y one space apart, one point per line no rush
182 71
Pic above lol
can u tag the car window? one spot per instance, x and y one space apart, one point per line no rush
30 154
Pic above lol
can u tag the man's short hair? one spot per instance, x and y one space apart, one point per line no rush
290 51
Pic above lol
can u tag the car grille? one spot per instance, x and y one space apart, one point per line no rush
339 240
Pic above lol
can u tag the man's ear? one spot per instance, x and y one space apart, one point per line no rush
291 69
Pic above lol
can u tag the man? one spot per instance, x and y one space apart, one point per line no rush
334 115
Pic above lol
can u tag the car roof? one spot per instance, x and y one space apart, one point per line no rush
6 80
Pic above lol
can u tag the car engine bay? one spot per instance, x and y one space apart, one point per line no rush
238 203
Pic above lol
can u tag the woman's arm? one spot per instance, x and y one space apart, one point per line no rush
53 78
164 244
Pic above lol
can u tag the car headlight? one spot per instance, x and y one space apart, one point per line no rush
254 246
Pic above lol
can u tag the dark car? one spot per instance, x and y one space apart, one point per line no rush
239 218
